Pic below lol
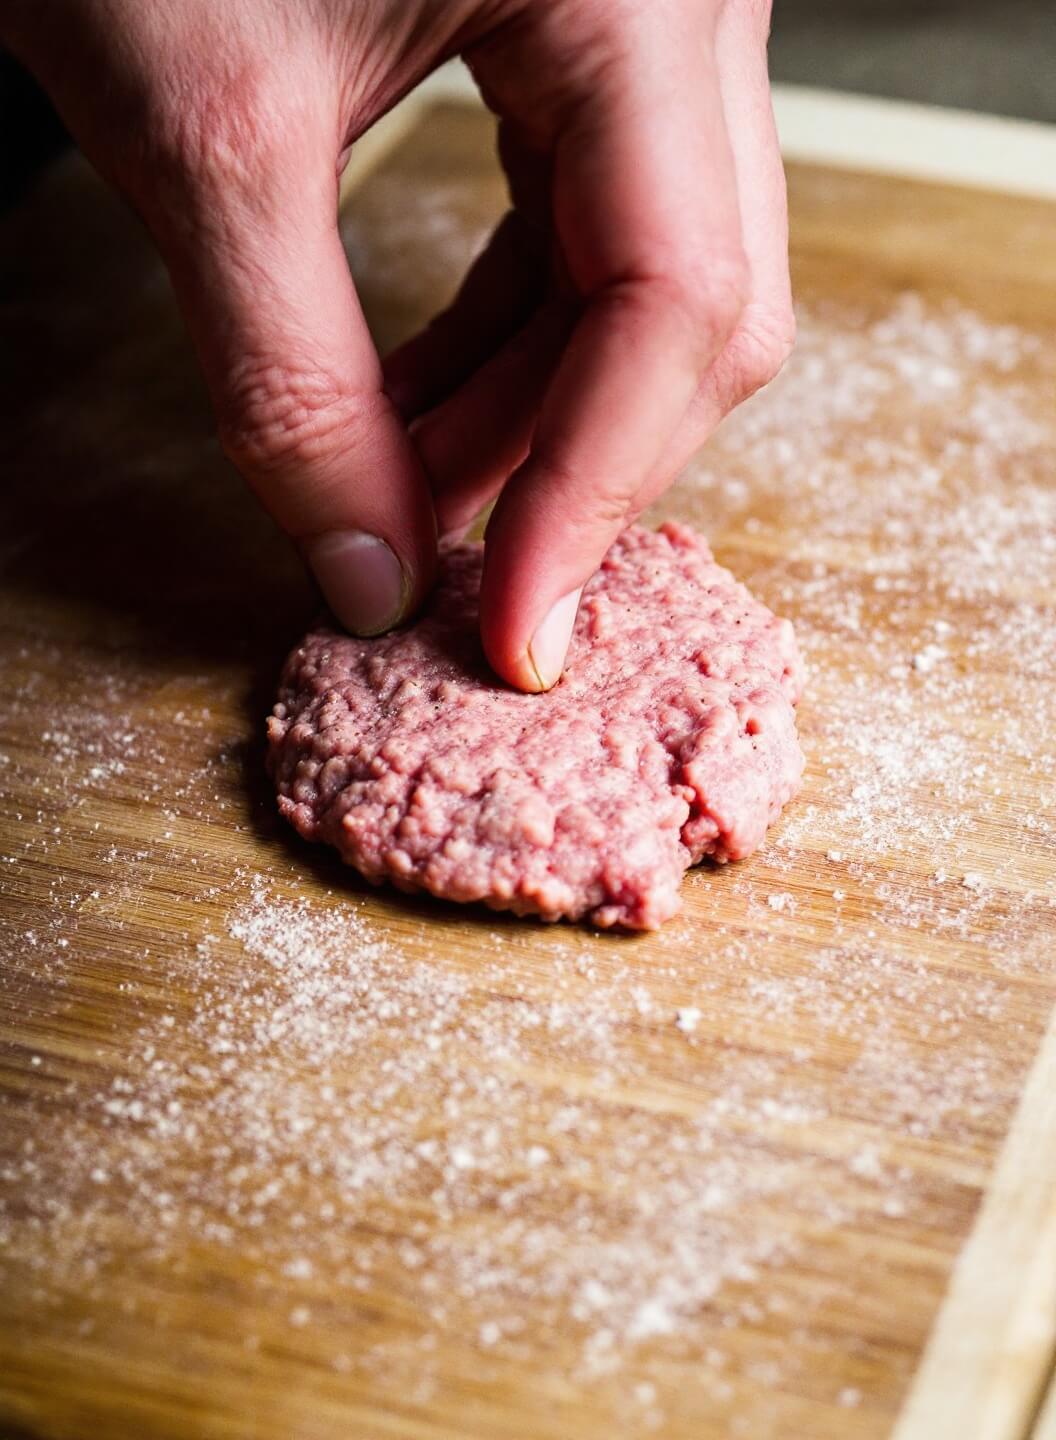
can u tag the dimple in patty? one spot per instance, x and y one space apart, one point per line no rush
671 737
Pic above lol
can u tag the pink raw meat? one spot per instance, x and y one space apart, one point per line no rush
671 737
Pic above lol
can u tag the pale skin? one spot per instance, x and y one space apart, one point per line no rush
636 291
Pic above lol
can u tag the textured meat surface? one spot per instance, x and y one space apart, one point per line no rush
670 737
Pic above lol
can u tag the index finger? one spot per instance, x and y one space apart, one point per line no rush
646 209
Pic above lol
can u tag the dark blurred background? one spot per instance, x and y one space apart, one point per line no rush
992 55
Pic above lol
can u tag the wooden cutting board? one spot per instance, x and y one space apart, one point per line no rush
282 1156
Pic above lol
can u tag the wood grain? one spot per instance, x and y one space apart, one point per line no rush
434 1173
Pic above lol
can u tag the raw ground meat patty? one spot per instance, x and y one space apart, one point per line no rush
670 737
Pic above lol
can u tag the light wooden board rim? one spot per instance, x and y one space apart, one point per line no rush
1045 1429
923 142
991 1348
864 132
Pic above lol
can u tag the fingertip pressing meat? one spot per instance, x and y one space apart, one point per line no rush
671 737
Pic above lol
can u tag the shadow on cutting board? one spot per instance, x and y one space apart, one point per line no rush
118 506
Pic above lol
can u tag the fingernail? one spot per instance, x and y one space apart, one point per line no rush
549 644
362 580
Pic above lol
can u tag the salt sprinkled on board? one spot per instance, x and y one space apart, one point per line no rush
926 659
292 1082
934 541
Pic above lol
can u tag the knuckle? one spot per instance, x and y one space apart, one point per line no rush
275 418
707 300
599 505
718 293
763 343
607 512
707 295
755 353
212 131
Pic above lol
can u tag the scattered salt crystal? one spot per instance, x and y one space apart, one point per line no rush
652 1317
781 900
687 1018
866 1163
926 659
490 1333
593 1295
973 881
300 1316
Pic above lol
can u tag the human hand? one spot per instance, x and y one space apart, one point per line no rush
637 290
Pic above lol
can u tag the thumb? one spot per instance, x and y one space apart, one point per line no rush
296 382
